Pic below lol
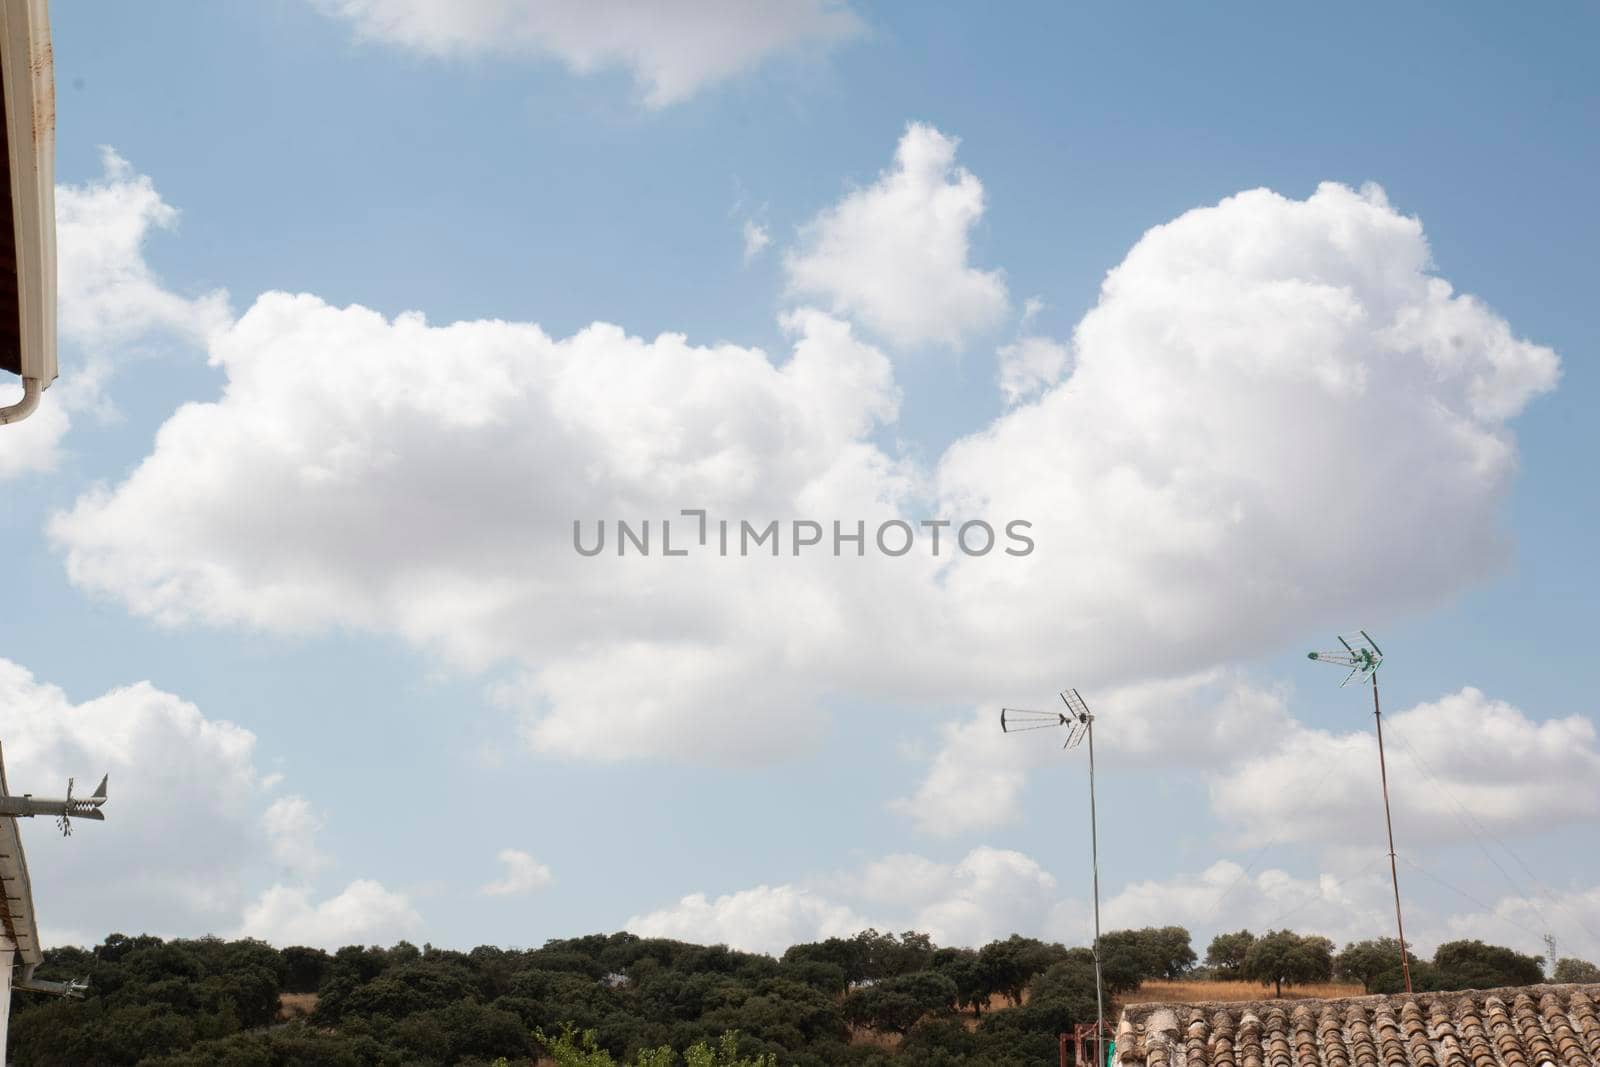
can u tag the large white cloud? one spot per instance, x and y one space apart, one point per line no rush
1202 483
427 479
672 47
894 255
1461 767
182 822
1276 416
189 820
484 441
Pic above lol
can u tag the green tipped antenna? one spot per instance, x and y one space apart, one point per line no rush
1363 656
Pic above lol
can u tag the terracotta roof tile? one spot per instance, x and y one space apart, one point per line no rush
1196 1054
1535 1026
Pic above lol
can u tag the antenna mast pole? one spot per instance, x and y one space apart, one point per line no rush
1394 874
1078 721
1363 656
1094 854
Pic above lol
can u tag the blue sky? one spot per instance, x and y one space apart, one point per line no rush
528 175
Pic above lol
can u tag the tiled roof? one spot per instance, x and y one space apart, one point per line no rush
1526 1026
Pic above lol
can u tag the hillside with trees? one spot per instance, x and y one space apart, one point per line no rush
612 1000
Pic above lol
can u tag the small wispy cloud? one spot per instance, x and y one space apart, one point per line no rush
756 239
524 874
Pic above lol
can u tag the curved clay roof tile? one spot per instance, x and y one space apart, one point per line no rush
1543 1026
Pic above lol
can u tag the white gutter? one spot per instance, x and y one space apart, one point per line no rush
30 116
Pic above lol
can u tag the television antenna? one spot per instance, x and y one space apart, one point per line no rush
1078 721
65 809
20 951
1362 656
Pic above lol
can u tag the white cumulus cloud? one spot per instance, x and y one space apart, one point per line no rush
109 295
1460 767
989 893
1227 896
975 777
1207 478
327 408
189 818
992 893
182 824
1522 920
894 255
673 48
763 919
1030 364
1202 482
364 912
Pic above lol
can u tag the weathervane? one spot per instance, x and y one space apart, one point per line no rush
1363 656
1079 723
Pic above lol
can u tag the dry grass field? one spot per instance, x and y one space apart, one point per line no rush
1149 993
1184 992
865 1035
295 1005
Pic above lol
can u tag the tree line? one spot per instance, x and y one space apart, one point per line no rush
619 999
1283 957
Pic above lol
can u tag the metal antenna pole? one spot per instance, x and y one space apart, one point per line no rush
1078 722
1394 874
1362 656
1094 854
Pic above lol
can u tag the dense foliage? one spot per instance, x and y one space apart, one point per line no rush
590 1001
624 1001
1225 956
1569 969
